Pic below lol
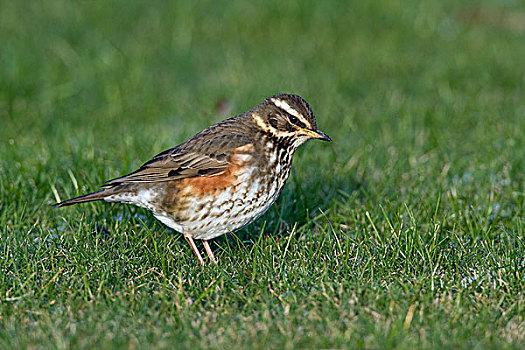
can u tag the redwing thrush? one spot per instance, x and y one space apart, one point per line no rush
224 177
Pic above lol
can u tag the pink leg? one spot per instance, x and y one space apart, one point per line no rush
194 248
208 250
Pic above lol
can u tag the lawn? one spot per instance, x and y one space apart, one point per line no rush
407 231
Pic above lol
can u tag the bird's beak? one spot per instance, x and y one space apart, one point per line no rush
318 134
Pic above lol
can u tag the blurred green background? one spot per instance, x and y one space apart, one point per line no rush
377 237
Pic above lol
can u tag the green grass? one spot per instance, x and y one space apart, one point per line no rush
406 232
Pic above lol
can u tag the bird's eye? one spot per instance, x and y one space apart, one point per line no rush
296 121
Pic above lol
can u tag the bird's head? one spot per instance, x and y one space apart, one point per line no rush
287 117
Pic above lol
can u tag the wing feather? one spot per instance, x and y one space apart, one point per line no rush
190 159
173 167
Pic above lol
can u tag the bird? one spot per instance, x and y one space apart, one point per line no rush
224 177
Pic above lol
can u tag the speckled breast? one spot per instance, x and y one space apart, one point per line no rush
205 208
213 215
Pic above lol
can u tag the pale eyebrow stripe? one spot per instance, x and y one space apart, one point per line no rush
286 107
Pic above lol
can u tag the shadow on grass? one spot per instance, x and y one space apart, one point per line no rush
301 201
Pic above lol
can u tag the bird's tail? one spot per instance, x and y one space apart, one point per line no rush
94 196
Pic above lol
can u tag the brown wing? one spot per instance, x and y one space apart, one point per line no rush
207 153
